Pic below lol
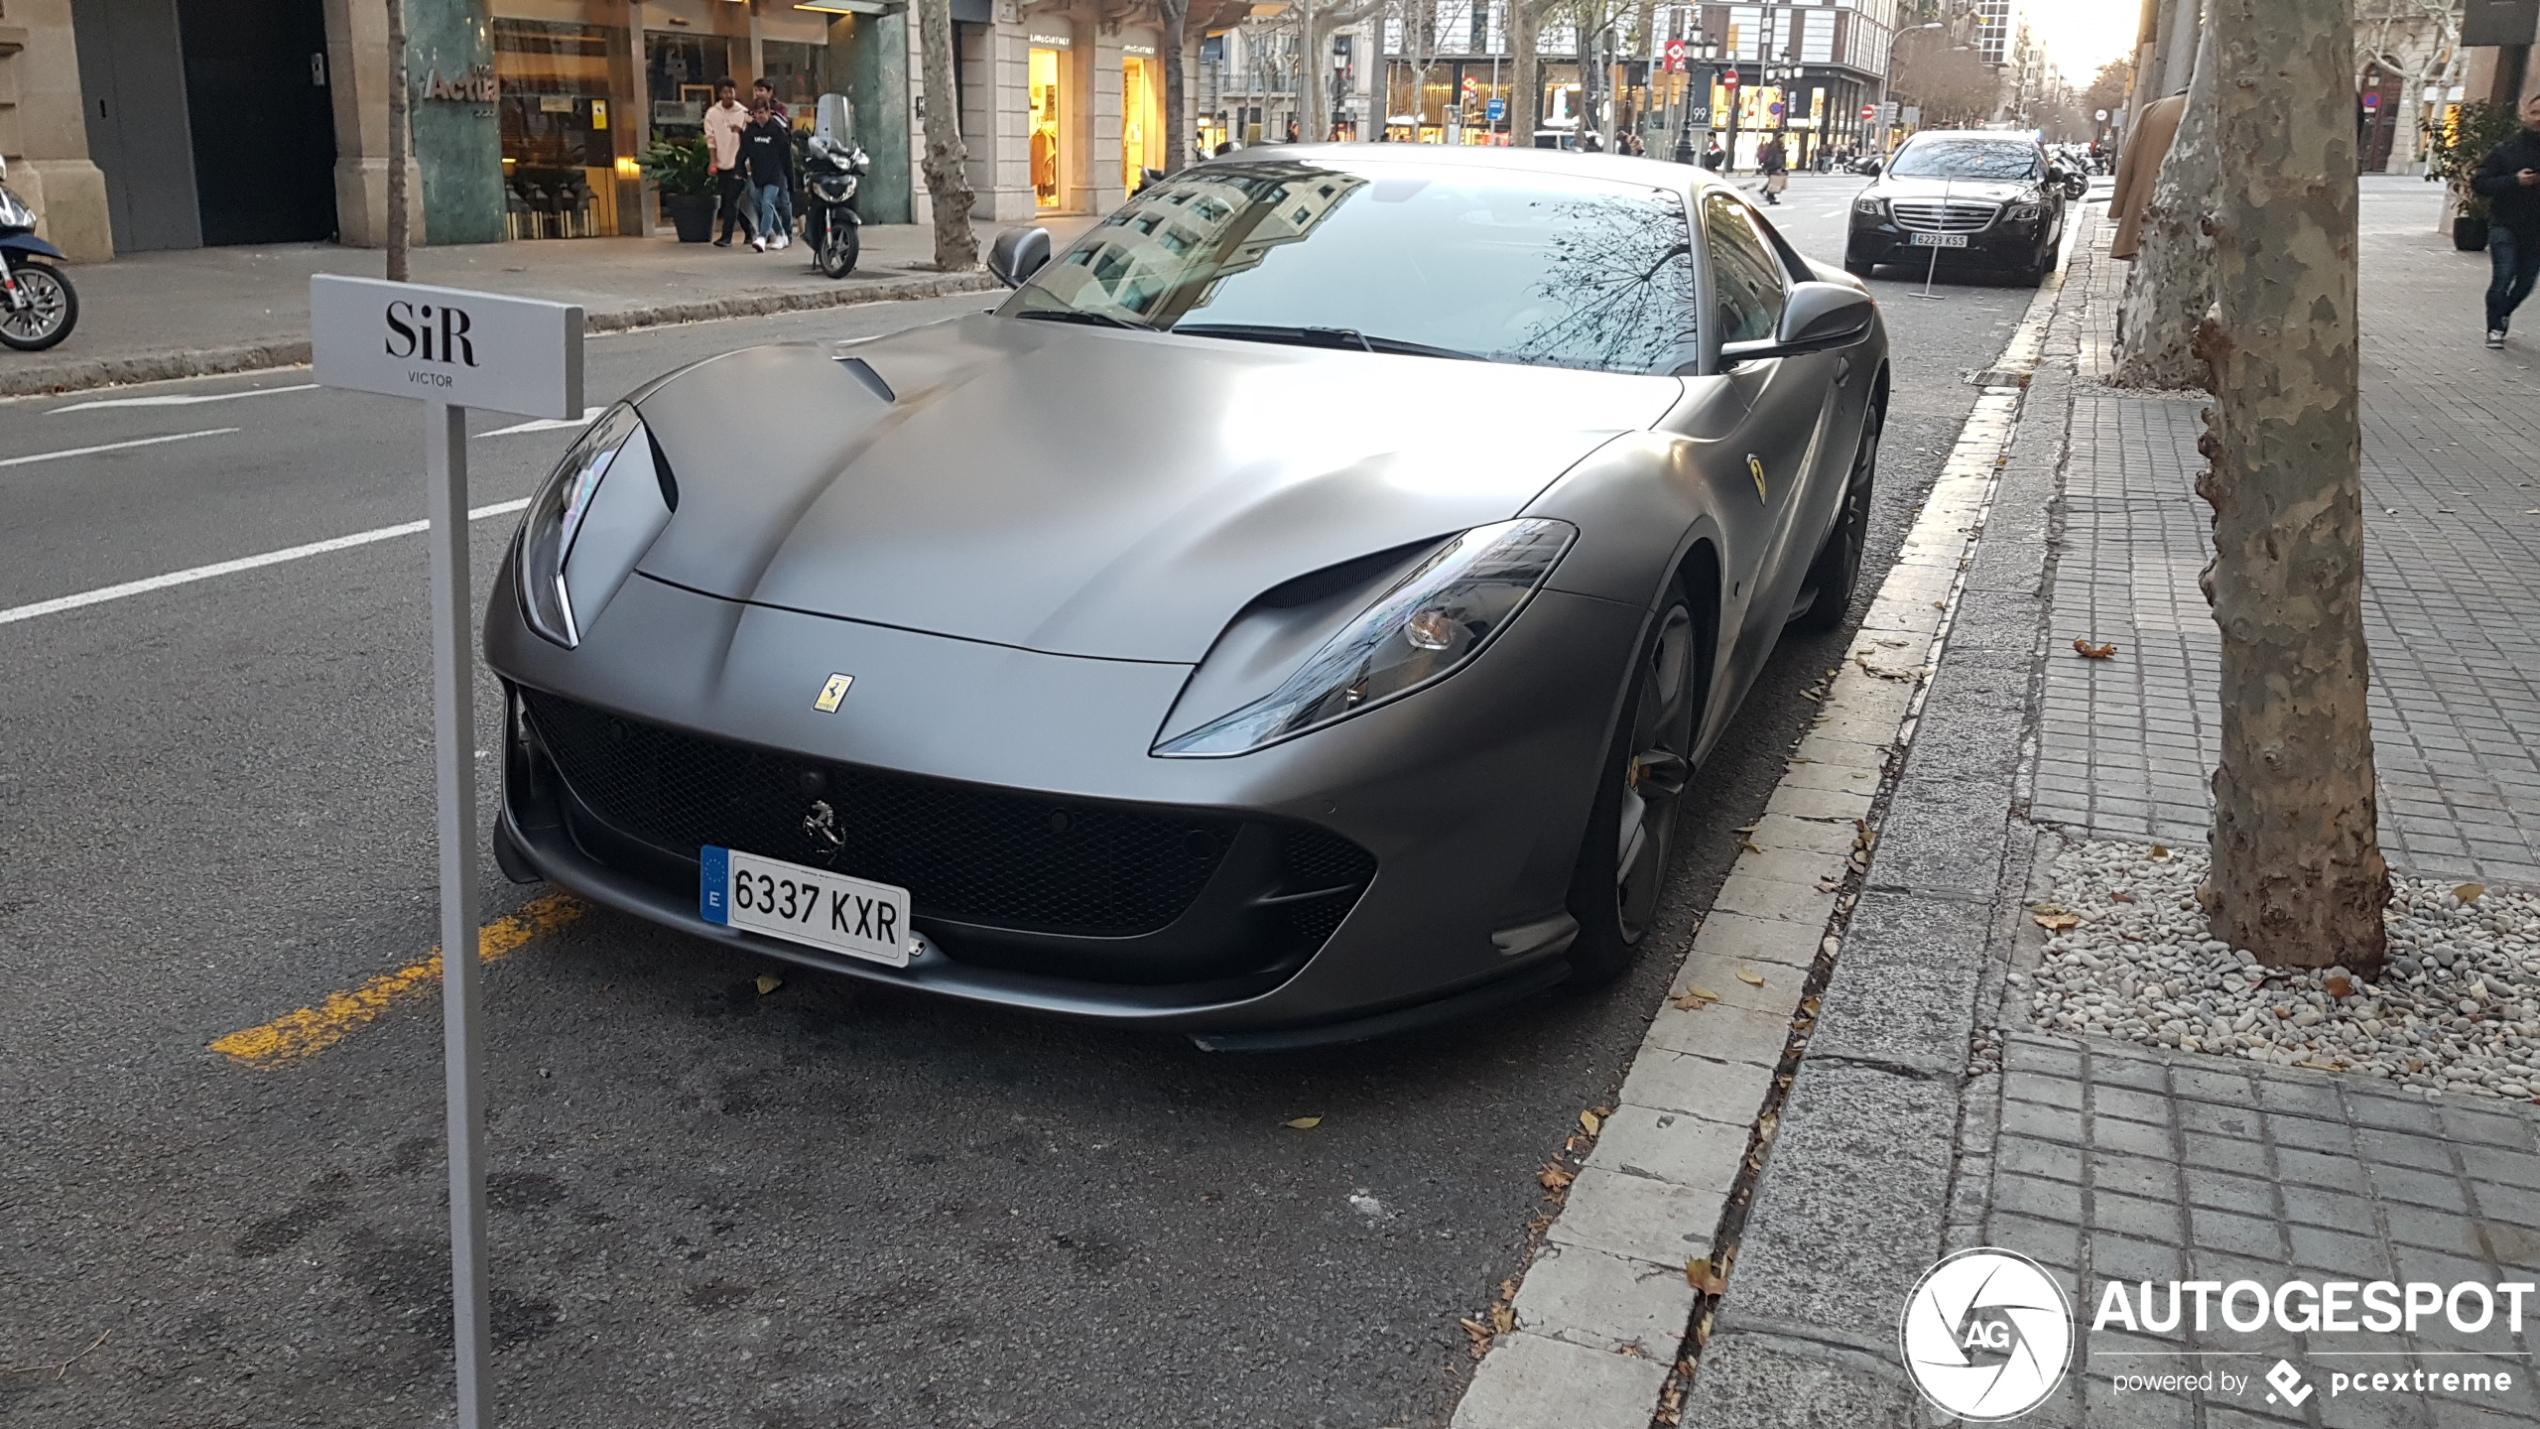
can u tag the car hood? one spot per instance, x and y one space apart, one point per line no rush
1084 491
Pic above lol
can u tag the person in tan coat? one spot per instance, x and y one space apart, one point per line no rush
2139 167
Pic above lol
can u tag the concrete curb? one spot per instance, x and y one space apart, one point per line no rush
84 373
1607 1311
1880 1130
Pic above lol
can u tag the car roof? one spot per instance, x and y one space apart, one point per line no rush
1622 168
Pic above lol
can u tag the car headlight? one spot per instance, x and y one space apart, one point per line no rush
588 526
1868 205
2024 212
1426 625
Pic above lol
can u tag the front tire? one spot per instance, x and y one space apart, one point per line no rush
840 248
1836 573
52 309
1631 830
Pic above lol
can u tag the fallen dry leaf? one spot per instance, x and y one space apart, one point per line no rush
1751 979
2093 652
1554 1177
2160 850
2469 892
1700 1276
2057 922
2339 987
1591 1121
769 982
1696 998
2120 897
1305 1123
1502 1319
1479 1331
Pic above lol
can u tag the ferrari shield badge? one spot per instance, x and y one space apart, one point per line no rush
1755 467
836 690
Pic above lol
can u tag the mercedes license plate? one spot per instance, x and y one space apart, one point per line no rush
1940 240
806 905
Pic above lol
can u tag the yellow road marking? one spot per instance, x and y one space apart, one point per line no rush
314 1029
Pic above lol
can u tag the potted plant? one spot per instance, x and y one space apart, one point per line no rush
677 168
2456 152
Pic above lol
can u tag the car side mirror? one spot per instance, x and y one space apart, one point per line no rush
1816 317
1872 168
1017 254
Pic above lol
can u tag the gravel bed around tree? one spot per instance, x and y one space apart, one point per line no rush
2456 1009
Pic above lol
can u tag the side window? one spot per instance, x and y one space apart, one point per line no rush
1746 280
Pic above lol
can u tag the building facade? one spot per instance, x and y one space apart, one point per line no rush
1796 73
133 125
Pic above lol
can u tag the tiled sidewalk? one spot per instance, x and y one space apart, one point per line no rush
2106 1161
2452 577
2118 1164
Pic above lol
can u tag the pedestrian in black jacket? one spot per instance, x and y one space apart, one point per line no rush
2510 182
767 157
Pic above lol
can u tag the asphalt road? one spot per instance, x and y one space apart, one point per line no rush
821 1205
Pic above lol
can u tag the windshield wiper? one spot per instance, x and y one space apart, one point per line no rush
1078 315
1340 337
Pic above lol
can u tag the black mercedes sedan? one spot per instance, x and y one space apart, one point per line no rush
1966 198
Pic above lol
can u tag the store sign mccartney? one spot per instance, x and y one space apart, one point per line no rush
447 345
1051 42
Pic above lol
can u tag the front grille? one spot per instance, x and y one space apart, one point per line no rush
964 853
1954 216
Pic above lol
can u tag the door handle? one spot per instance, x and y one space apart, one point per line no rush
1843 372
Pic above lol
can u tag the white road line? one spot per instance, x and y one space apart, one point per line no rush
103 594
548 424
115 446
179 400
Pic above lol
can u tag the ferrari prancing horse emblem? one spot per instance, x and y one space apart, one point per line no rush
1755 464
836 689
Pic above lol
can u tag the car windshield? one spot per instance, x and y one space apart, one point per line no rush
1551 270
1965 159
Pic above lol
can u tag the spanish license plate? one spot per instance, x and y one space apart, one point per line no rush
1940 240
806 905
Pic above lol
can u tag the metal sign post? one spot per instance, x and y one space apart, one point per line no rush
453 349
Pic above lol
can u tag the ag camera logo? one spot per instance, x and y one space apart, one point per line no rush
1987 1334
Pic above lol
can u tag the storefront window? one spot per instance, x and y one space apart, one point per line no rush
1047 110
1141 122
799 73
680 73
560 91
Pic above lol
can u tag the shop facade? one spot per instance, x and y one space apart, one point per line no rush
1062 105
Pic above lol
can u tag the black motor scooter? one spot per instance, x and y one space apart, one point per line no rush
38 306
833 168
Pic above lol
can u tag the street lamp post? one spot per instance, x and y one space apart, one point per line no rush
1704 51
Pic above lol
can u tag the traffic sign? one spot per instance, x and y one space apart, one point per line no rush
1775 106
1869 111
1675 57
2101 116
2372 100
1497 109
1729 80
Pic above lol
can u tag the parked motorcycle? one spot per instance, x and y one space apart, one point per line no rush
38 306
833 168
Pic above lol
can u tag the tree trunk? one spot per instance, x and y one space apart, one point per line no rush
1523 74
2171 285
2297 873
947 177
399 88
1175 15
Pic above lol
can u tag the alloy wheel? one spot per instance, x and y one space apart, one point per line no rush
1655 775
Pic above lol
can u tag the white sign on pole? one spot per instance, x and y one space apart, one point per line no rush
453 349
447 345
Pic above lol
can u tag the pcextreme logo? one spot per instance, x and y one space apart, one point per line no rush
1987 1334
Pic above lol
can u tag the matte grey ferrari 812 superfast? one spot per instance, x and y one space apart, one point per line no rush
1292 615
